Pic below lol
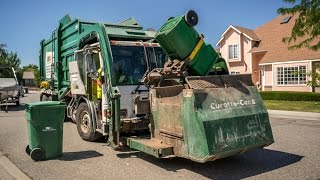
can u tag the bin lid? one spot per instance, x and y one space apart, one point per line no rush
44 104
170 23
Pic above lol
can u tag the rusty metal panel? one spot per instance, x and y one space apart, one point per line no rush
151 146
141 106
211 123
203 82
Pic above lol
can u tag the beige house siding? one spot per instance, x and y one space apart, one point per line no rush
270 73
261 52
291 88
246 46
256 58
243 63
267 75
231 37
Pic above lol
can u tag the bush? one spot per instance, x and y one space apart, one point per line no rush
290 96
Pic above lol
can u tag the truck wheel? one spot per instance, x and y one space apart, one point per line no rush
49 98
84 124
43 97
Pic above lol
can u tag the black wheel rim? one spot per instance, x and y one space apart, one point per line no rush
191 18
85 122
36 154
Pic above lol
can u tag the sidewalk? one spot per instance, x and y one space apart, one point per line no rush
10 171
294 115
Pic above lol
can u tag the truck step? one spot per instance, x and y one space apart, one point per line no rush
151 146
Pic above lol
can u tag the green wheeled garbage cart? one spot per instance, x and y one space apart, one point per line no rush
179 39
45 129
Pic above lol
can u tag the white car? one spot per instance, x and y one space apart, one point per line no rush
9 88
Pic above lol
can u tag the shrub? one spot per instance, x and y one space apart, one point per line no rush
290 96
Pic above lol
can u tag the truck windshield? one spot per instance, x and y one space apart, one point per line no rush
6 73
157 57
130 63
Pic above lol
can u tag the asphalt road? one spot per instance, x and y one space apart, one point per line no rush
294 155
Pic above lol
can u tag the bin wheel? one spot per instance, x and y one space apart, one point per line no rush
191 18
18 102
84 124
28 150
37 154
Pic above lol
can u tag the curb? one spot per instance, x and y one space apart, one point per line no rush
11 171
294 115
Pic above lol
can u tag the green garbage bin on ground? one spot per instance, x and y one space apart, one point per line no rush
45 129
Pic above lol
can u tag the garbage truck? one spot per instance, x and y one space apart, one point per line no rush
166 93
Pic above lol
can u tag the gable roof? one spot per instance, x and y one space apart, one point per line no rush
271 34
268 40
28 75
249 33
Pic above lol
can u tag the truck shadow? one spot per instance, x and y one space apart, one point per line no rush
237 167
12 107
80 155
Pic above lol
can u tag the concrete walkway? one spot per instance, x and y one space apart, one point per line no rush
10 171
294 115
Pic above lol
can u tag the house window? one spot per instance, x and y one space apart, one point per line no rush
233 51
234 72
291 75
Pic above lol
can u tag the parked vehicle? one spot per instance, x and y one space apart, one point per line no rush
157 96
9 88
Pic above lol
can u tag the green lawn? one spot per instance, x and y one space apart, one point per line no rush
304 106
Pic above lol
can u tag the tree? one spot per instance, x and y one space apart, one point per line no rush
306 30
315 76
8 59
35 69
2 49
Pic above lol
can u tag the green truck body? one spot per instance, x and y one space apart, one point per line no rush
179 110
72 35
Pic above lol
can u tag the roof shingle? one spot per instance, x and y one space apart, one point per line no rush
248 32
271 34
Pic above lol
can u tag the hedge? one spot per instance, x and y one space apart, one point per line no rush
290 96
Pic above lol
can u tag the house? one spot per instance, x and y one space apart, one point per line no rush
28 79
262 53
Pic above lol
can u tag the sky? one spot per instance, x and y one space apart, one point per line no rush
23 24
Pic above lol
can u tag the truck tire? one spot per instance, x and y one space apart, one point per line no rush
49 98
84 124
45 97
